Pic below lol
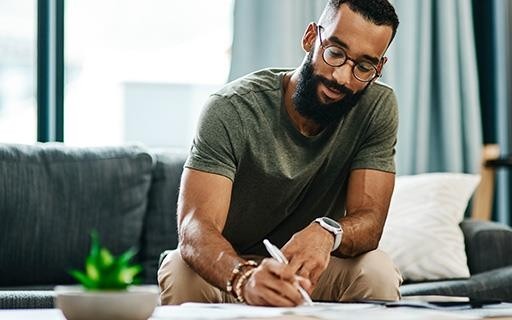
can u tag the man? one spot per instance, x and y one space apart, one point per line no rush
303 158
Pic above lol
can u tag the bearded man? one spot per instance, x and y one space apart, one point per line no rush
303 158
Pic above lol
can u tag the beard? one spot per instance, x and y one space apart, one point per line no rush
308 104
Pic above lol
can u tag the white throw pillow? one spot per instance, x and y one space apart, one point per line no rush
422 233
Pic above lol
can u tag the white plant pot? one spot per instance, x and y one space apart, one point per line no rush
135 303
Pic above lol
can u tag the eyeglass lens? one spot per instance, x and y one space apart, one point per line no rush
336 57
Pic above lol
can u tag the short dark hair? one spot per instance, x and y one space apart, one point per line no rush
379 12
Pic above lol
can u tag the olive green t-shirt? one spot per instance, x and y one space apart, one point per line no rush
283 180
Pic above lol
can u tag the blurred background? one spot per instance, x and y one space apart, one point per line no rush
91 72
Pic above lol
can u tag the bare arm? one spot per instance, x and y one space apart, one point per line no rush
203 206
368 196
202 211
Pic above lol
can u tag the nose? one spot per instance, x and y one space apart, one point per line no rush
343 74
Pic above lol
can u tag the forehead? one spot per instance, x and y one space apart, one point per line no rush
361 36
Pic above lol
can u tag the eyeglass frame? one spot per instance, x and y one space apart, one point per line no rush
347 58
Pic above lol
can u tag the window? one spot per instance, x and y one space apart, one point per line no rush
142 70
18 122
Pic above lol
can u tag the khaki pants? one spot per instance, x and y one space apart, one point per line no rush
371 276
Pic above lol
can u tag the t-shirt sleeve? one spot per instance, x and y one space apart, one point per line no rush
217 144
378 148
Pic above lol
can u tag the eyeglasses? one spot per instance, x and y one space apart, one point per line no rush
336 56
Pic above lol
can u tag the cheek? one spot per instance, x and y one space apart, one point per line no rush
357 86
319 66
322 69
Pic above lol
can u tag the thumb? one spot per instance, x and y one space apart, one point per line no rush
304 283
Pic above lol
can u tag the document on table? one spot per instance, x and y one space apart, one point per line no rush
477 308
232 310
346 311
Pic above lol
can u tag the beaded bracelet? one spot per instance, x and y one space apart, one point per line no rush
240 283
236 271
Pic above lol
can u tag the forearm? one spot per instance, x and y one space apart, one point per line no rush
367 204
206 251
362 231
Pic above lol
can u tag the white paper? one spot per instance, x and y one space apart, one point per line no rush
327 311
232 310
318 311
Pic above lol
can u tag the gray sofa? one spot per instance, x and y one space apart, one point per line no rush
489 253
52 196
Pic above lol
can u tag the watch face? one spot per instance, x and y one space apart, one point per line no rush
331 222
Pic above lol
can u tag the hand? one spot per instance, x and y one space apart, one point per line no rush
274 284
309 251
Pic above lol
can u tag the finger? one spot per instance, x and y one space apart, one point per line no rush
270 297
313 269
269 275
263 281
315 274
279 270
303 271
305 283
307 267
288 290
295 264
288 249
317 271
292 255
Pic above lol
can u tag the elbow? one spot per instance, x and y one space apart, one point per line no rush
370 246
354 249
185 246
184 250
373 245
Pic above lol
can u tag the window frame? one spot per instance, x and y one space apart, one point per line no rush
50 70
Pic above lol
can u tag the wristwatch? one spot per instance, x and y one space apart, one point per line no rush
333 227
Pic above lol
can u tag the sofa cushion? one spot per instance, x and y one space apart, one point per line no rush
422 233
160 223
487 245
52 196
495 284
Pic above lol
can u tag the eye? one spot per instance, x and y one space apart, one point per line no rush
335 53
365 67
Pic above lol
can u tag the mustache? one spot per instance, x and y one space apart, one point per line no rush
335 86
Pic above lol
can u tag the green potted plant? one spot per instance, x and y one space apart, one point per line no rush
108 288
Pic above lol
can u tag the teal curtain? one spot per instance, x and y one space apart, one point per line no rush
503 92
432 66
493 28
268 33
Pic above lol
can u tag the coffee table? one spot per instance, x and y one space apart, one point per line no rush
186 312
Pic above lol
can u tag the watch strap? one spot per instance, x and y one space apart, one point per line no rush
337 232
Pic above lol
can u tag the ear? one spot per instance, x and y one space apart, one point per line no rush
309 37
380 66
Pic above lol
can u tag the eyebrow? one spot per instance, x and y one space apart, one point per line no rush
339 42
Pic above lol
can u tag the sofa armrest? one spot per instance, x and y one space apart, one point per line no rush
488 245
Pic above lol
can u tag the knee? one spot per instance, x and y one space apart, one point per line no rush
179 283
377 276
169 277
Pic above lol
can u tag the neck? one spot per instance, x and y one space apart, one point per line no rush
305 126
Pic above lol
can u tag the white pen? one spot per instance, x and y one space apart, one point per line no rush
279 256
